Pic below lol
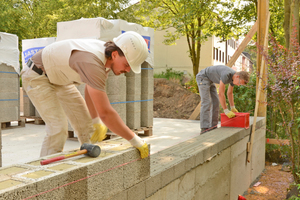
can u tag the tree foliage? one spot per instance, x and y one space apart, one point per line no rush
284 93
37 18
196 20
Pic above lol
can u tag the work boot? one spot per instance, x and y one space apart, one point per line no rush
204 130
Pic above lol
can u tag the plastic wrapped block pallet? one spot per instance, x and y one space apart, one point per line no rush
133 99
147 91
29 48
9 78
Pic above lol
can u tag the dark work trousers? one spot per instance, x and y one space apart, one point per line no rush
209 113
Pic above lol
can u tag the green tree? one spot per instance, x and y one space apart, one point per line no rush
196 20
291 20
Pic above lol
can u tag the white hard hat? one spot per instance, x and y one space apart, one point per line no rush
134 47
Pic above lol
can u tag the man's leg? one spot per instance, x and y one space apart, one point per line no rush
76 111
43 96
215 105
204 85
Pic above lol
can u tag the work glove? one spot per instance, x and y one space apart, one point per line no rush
233 109
142 146
99 131
229 114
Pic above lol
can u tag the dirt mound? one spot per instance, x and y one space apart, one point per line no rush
172 100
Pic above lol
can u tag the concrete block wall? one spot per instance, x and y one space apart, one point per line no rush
133 98
210 166
9 94
117 168
147 91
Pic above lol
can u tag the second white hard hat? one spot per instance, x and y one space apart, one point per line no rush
134 48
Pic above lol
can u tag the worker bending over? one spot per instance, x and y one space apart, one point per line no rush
206 80
50 77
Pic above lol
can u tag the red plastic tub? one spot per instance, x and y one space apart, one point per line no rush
240 120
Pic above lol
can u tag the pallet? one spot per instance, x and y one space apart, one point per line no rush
33 119
20 123
143 131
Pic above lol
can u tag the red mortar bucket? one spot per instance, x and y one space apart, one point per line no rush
240 120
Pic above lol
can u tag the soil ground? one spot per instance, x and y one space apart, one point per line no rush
172 100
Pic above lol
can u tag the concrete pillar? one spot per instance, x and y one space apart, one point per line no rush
147 90
116 92
133 98
9 94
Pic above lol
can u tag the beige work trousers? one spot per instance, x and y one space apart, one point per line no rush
56 104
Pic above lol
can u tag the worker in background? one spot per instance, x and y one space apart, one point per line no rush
206 80
50 77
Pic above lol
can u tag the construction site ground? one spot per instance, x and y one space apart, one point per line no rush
173 104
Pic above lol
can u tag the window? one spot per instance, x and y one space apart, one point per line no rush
214 53
223 57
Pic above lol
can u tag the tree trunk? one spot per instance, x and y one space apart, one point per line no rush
286 23
294 20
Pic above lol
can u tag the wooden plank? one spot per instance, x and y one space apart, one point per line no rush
257 98
277 141
196 112
243 45
262 35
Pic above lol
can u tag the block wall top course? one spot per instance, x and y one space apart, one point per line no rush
116 154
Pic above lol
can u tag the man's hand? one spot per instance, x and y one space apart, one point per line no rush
229 114
233 109
142 146
99 131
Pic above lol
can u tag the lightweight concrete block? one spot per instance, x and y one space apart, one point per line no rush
116 85
257 161
108 183
10 94
120 196
216 187
28 107
180 169
0 148
137 192
118 103
167 176
133 111
147 111
137 171
153 184
170 191
186 187
133 83
208 169
147 80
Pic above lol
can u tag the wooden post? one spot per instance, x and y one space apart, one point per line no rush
263 10
259 93
233 59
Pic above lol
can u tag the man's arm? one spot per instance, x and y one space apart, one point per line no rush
230 96
107 114
222 97
90 104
